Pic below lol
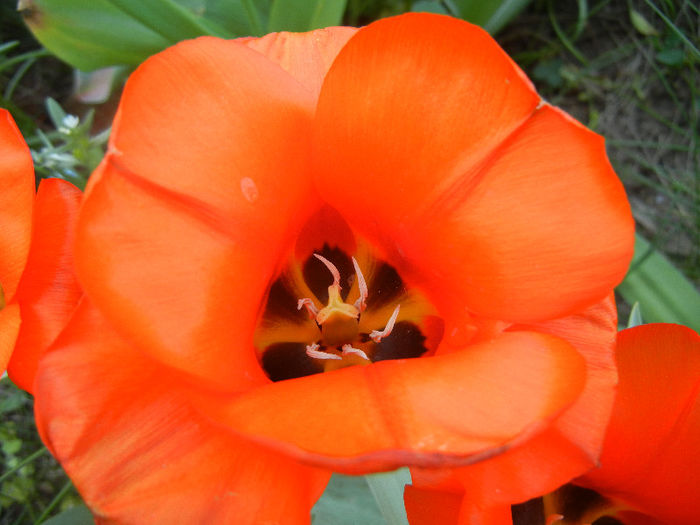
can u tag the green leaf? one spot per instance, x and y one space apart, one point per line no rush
635 318
671 57
664 293
101 33
235 16
78 515
305 15
56 112
641 24
387 488
492 15
347 500
429 6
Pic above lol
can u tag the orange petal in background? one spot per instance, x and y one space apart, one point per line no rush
430 502
651 458
10 321
127 435
305 56
48 291
16 205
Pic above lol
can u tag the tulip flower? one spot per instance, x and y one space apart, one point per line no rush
335 251
649 470
650 464
36 275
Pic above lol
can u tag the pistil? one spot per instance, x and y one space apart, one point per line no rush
339 321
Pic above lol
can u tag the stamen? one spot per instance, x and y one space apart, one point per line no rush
376 335
360 304
348 349
310 306
331 267
312 351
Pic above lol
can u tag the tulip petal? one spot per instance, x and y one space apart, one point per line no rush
16 202
197 202
548 213
427 506
48 291
172 279
138 452
306 56
438 155
407 106
651 459
10 321
571 444
439 411
218 122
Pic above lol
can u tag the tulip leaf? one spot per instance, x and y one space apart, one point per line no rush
78 515
167 18
387 488
347 500
492 16
101 33
429 6
305 15
635 318
662 291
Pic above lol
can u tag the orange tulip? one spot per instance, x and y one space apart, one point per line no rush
40 289
293 267
649 472
650 465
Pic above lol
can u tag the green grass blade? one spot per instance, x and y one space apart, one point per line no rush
387 489
664 294
675 29
22 463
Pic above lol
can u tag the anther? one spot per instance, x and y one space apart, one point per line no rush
361 303
348 349
313 351
310 306
377 335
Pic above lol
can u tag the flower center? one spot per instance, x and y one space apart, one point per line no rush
368 316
